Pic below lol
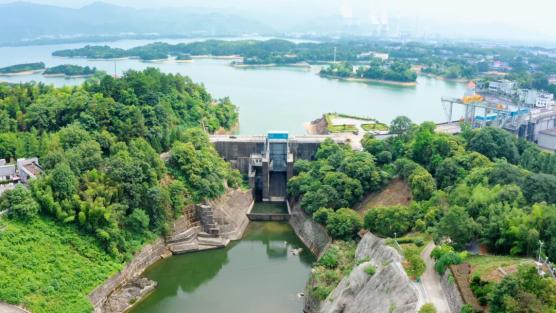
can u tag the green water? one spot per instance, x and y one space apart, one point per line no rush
254 275
270 207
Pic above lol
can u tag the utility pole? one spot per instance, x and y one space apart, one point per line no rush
115 70
540 250
334 55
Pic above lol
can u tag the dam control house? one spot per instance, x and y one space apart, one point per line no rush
268 160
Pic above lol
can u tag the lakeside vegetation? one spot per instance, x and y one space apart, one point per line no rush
70 70
531 67
376 71
367 124
22 68
105 189
483 185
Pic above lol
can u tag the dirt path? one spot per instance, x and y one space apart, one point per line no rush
431 283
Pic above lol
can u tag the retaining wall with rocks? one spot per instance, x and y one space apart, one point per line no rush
149 255
450 288
312 234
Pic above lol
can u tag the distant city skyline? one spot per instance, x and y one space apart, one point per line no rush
535 16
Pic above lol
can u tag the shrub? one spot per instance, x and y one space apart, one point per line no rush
329 259
419 242
370 270
20 203
322 214
428 308
414 264
467 308
344 224
387 221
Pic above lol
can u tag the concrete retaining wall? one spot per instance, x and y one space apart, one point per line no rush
149 255
453 295
313 235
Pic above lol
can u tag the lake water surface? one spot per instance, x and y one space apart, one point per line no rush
268 98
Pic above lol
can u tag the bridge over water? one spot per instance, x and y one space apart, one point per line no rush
268 160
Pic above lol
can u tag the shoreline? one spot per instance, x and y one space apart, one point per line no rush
67 76
373 81
455 80
24 73
217 57
293 65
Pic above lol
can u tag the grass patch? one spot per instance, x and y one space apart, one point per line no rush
375 127
370 270
486 267
411 246
50 268
337 262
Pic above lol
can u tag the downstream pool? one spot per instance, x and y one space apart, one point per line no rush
254 275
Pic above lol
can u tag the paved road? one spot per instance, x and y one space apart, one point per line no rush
6 308
431 283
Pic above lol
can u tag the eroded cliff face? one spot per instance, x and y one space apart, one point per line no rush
389 290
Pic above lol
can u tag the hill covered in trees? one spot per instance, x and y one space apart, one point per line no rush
105 188
21 68
70 70
483 185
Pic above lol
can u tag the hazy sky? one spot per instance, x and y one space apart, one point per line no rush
536 15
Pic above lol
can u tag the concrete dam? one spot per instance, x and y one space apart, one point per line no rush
268 160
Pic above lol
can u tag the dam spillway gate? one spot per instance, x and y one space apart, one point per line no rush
268 160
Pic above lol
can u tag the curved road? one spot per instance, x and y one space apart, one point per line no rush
431 283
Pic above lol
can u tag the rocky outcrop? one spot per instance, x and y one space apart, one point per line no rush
150 254
312 234
388 290
124 298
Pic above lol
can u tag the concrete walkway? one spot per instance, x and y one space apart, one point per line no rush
8 308
431 283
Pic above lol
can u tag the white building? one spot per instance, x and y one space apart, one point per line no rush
28 169
503 86
539 99
545 100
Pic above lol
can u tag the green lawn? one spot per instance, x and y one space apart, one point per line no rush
50 268
485 265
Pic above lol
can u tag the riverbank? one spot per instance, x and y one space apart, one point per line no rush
370 81
128 287
270 65
67 76
24 73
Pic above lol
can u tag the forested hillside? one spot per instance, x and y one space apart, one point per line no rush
483 185
104 186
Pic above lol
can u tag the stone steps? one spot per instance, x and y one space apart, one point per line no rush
214 242
185 236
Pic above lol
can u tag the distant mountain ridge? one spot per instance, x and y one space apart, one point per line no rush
24 21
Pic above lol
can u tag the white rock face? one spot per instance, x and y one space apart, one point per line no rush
389 290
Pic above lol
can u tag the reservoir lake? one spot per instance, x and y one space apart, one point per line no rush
268 98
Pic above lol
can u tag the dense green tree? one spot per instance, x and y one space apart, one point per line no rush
344 224
457 225
523 292
422 184
19 203
388 221
494 143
